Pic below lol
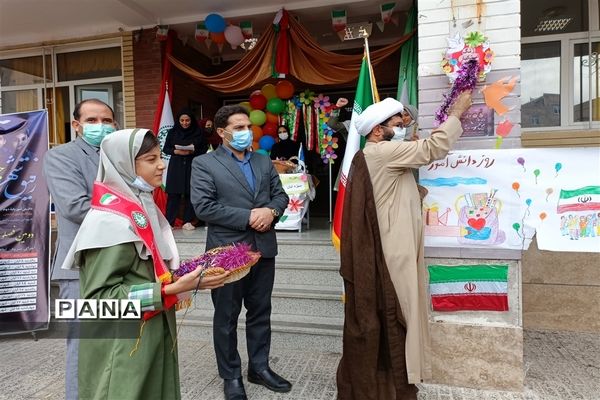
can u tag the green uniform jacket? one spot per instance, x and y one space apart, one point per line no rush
106 368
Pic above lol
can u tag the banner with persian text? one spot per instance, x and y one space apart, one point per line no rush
24 223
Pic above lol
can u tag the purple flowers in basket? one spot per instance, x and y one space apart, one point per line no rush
229 258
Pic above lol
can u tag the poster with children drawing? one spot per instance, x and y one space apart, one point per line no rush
501 198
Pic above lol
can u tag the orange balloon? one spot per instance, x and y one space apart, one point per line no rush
543 216
268 91
272 118
218 38
255 146
516 186
284 89
257 132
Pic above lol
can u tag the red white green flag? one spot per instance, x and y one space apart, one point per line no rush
366 94
247 29
338 20
583 199
162 31
387 10
201 33
469 287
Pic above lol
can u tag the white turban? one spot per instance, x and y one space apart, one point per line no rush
375 114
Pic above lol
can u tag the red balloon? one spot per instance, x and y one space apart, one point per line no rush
284 89
270 129
257 91
258 101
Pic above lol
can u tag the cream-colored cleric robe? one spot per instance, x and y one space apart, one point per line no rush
401 227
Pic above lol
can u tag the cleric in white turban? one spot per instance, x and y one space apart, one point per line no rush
386 339
377 113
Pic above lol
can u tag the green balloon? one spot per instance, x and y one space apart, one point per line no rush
258 117
276 106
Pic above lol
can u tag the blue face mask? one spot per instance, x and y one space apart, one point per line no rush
142 185
241 140
94 133
399 133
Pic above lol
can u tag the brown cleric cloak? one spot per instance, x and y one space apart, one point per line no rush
373 364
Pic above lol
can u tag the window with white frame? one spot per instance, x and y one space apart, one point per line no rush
559 64
65 76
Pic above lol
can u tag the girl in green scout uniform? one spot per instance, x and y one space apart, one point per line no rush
125 250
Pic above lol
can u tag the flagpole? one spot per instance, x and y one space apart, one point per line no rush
330 194
374 93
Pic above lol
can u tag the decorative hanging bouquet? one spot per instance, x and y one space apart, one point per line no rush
466 80
237 258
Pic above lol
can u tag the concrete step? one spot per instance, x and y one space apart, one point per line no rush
304 272
282 322
296 300
287 331
313 250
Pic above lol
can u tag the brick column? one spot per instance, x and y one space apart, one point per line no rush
148 74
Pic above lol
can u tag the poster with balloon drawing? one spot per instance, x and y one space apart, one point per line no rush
501 198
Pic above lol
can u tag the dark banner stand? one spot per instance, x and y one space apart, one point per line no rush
24 224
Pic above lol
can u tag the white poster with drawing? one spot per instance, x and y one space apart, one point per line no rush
298 188
500 198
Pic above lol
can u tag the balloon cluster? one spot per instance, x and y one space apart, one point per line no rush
220 32
265 106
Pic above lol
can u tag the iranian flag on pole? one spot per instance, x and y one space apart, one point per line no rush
166 123
366 94
469 287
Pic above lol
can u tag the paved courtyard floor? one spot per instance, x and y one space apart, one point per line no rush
559 366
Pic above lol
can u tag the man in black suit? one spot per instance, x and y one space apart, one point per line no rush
239 195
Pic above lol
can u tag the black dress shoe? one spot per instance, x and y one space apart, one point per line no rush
270 380
234 389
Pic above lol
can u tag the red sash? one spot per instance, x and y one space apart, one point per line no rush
107 199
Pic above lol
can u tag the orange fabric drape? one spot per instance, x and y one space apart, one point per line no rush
312 64
309 63
253 68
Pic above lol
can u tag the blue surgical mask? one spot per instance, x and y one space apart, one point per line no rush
94 133
142 185
399 133
241 140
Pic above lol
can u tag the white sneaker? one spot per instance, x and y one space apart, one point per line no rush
188 226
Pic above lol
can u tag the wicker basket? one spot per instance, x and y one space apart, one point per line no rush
236 274
284 167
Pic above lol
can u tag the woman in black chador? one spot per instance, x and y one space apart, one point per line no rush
286 147
184 142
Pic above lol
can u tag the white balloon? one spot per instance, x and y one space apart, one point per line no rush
234 36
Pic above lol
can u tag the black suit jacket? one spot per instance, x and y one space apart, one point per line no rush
222 197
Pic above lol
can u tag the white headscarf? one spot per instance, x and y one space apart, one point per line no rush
102 229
